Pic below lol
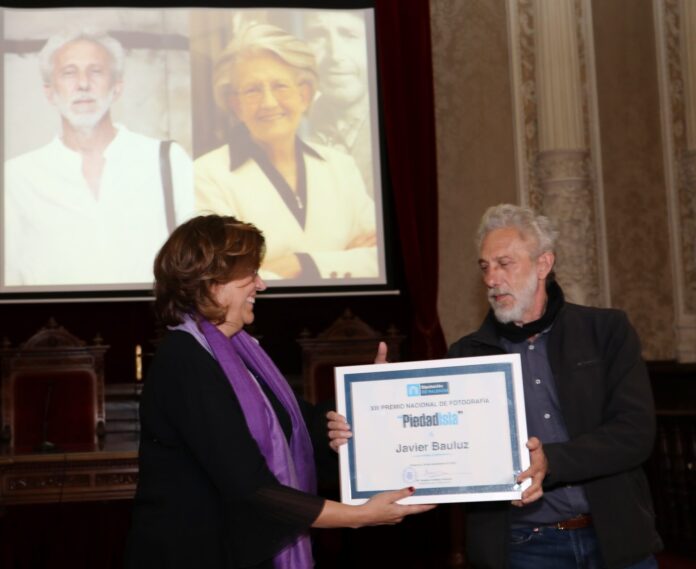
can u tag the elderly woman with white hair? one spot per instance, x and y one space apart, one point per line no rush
309 200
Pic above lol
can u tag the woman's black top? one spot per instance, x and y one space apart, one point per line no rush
205 496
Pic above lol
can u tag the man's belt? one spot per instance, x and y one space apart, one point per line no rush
578 522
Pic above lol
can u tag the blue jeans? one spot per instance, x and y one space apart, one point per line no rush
551 548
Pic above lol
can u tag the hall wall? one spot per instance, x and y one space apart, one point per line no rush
478 159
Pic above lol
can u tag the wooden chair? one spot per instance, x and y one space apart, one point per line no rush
52 392
348 341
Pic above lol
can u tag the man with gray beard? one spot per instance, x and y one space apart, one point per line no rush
95 204
589 413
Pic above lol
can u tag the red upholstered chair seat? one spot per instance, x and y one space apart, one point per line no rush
64 404
52 390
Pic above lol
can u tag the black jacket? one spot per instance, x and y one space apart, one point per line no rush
606 401
205 497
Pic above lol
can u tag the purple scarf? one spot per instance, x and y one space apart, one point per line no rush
294 465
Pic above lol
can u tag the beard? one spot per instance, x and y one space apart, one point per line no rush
85 121
523 300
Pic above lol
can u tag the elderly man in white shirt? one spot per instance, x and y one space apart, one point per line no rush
95 204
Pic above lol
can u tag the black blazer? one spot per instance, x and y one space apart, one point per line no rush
205 496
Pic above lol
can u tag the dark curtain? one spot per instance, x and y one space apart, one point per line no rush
406 83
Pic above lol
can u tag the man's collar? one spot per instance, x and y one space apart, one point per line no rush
109 149
554 304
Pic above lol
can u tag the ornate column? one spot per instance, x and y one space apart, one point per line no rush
557 136
676 46
563 159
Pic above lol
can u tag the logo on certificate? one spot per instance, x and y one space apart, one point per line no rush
435 388
409 474
413 390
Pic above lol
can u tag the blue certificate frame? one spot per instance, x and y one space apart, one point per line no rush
455 429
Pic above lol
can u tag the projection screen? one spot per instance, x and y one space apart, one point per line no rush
119 124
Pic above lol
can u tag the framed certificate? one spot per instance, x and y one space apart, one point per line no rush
454 429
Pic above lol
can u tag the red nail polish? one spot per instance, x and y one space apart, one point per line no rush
411 489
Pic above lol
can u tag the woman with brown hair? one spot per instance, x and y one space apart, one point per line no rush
227 474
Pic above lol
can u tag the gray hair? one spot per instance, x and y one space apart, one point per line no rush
57 41
538 227
259 38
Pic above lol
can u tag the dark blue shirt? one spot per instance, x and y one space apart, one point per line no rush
544 421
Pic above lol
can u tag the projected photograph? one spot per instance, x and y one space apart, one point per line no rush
121 124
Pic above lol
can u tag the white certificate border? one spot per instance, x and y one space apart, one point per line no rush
508 364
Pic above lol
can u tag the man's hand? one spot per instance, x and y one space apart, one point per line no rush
537 470
381 356
338 427
339 430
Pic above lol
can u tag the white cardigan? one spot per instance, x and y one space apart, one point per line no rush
338 209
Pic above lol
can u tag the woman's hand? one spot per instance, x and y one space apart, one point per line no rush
363 240
287 267
339 430
379 510
382 509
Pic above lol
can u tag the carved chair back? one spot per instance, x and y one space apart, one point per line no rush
52 392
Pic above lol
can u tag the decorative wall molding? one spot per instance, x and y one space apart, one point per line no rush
570 167
29 483
87 475
568 199
521 24
676 51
